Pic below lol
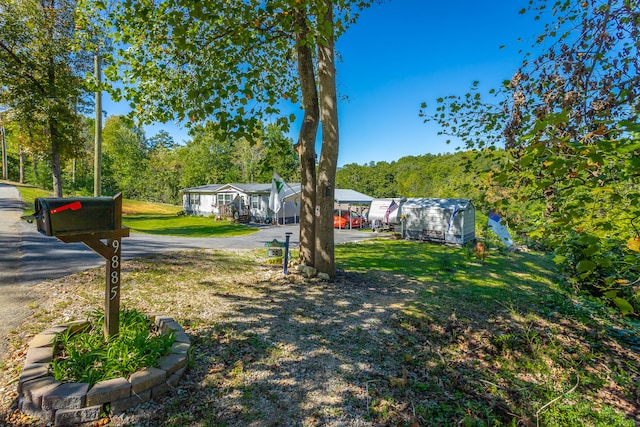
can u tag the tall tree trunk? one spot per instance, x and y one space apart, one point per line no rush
56 171
3 140
35 167
325 261
33 155
21 156
307 141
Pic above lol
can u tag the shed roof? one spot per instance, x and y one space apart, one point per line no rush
424 203
351 196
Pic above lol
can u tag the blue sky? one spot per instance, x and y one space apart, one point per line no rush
405 52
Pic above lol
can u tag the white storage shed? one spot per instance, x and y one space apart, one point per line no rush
441 220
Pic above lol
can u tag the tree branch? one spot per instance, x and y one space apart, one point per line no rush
18 61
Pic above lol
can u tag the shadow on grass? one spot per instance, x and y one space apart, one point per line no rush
444 347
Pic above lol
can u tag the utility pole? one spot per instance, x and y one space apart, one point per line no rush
97 160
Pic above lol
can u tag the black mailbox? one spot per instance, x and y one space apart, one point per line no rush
59 216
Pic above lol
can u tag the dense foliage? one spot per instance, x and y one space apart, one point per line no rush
41 79
569 122
429 175
156 168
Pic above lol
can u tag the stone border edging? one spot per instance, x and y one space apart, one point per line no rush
41 396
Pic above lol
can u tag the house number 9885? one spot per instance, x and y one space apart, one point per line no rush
115 263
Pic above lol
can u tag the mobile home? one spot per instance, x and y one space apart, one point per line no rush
252 201
249 200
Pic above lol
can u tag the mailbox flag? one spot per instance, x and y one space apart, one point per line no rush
499 228
277 193
74 206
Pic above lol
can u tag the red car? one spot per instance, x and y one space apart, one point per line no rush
347 219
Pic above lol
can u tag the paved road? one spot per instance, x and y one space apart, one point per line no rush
28 257
14 298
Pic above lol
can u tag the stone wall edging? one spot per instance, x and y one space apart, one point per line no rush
41 396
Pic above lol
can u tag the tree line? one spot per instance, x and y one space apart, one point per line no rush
428 175
154 168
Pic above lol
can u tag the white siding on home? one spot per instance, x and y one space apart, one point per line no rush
289 213
259 208
198 203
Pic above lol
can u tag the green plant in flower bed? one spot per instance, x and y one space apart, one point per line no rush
86 357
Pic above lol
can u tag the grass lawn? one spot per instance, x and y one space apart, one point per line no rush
136 207
156 218
29 194
185 226
409 334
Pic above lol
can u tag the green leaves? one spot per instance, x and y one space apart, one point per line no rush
622 304
85 357
585 267
41 73
559 259
181 60
230 62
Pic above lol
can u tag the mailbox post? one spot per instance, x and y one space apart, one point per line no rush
90 220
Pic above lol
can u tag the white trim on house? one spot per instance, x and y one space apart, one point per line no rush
205 200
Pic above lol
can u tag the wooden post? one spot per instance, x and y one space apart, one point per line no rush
112 290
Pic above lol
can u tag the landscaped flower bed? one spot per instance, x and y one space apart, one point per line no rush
66 403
